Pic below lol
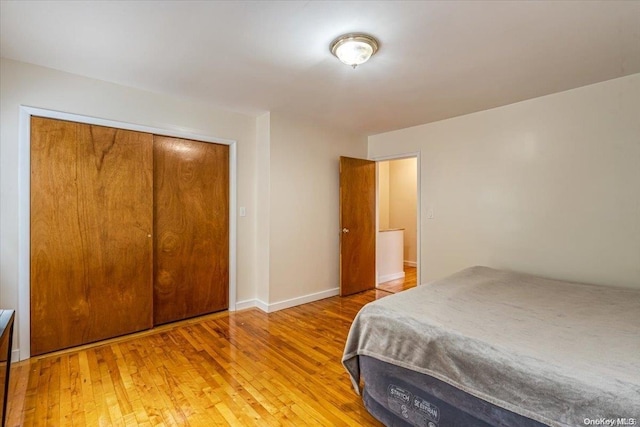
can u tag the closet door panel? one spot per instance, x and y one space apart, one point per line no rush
191 221
91 228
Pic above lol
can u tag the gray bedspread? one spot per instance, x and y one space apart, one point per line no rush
557 352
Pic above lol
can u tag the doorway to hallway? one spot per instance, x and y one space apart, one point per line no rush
397 234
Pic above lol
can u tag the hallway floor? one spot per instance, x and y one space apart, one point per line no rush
399 285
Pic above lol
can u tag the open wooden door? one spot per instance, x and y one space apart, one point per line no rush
358 225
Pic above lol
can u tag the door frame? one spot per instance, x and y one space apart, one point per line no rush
416 155
24 206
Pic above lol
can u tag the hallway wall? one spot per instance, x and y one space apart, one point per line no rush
397 201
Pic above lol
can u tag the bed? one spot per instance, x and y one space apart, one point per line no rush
487 347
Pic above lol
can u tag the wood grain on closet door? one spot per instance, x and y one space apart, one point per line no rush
191 221
91 228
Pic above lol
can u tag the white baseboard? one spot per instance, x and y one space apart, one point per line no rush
389 277
305 299
252 303
15 355
243 305
410 263
281 305
262 305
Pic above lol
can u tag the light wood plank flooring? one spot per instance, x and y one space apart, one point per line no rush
243 369
407 282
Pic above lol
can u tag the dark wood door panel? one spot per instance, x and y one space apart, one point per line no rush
91 228
191 221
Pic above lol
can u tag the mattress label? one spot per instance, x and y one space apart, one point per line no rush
414 409
399 400
425 411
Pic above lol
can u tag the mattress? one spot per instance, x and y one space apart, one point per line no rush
559 353
401 397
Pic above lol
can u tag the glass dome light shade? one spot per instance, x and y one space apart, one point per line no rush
354 49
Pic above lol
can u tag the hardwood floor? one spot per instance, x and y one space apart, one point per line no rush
244 368
409 281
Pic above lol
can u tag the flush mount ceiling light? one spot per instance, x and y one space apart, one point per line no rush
354 49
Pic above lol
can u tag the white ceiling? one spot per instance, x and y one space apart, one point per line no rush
437 59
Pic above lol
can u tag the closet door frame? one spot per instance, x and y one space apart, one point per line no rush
23 315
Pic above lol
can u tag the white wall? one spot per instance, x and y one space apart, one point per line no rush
549 186
383 195
29 85
403 191
304 203
262 216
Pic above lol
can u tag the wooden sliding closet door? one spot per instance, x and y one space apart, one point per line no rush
191 221
91 228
